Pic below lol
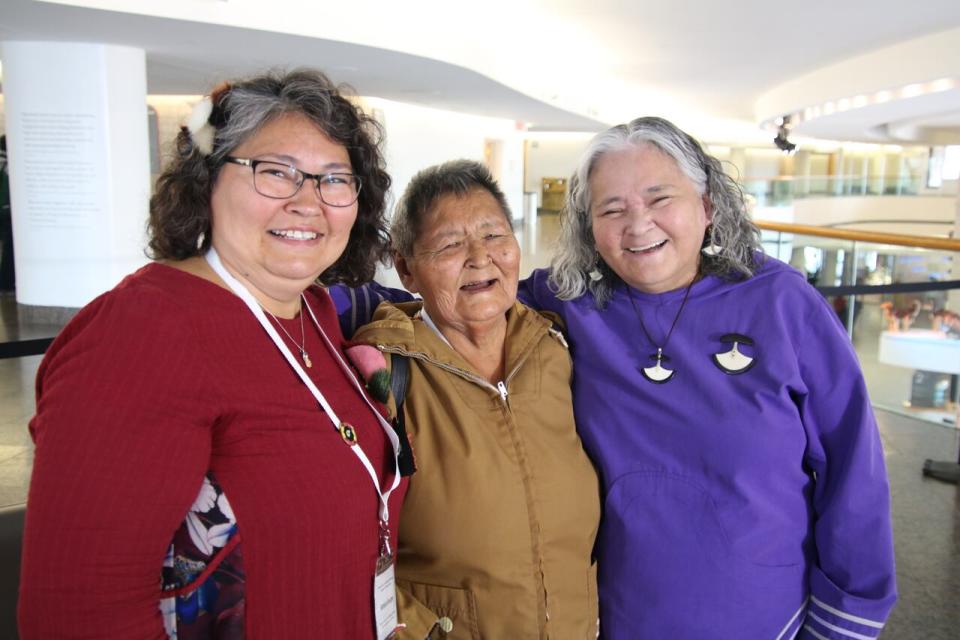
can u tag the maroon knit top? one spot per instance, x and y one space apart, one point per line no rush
153 385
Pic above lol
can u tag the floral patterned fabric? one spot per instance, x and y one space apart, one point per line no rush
203 576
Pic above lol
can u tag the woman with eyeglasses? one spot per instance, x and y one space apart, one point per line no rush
207 464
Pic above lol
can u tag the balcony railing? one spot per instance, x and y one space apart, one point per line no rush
899 298
782 190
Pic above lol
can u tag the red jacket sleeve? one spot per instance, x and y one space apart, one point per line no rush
122 432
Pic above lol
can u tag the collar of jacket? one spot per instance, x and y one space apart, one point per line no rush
398 326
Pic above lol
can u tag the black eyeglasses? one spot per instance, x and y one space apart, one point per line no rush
277 180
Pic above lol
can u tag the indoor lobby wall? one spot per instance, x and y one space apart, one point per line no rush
551 156
418 137
172 113
415 137
914 215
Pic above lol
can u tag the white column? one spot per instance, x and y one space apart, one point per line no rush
801 173
953 296
76 123
506 165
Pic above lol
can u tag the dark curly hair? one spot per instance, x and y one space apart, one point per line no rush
179 224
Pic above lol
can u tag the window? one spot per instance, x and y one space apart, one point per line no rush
951 163
943 164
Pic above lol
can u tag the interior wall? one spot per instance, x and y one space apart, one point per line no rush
418 137
172 113
551 158
762 163
878 213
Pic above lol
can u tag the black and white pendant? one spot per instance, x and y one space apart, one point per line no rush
734 361
657 373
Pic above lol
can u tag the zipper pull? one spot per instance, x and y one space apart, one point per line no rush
502 388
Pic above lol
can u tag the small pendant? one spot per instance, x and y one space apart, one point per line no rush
348 434
306 359
657 374
734 361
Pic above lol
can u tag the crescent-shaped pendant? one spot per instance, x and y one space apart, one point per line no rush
733 362
657 374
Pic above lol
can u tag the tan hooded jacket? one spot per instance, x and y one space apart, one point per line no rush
499 522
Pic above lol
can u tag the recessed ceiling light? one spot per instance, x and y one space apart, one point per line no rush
943 84
882 96
912 90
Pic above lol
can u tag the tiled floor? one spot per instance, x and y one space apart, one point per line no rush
926 520
16 407
926 512
16 404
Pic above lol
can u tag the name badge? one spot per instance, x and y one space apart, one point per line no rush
385 598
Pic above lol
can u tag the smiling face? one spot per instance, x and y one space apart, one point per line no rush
279 247
648 218
466 262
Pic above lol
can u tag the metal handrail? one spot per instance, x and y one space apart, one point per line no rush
922 242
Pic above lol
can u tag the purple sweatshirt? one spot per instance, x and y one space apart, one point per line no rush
750 504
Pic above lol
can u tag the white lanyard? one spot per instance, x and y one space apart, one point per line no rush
214 260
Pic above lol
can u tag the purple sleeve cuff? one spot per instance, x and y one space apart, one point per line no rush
834 614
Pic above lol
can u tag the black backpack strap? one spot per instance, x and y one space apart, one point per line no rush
399 377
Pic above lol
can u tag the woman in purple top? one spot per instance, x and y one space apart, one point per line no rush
744 482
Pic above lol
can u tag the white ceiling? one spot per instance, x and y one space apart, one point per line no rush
560 64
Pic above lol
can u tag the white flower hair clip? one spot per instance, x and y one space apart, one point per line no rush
201 131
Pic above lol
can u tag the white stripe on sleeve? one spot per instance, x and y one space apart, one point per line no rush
840 630
792 620
846 616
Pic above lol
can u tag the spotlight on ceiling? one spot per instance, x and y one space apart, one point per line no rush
781 141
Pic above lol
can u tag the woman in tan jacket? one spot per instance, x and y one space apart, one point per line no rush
499 522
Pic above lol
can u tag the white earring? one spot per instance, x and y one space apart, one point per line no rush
595 273
711 248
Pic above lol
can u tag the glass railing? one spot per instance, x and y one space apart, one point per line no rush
899 298
783 190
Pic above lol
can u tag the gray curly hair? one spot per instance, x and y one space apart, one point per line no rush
455 177
577 267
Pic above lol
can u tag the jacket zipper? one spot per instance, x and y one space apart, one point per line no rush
500 389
